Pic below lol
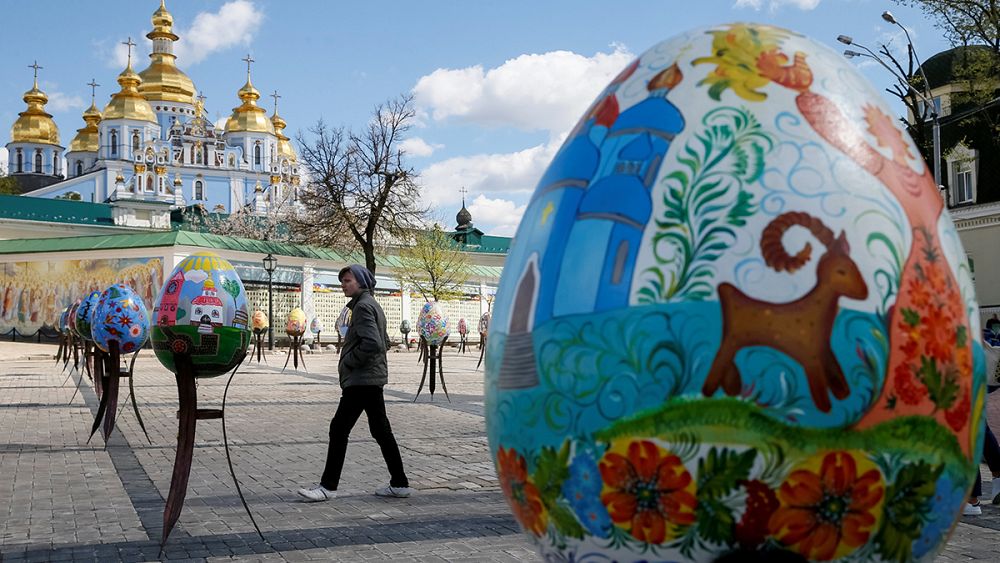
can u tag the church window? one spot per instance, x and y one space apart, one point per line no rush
199 190
192 154
198 155
149 183
20 161
256 154
57 163
79 168
114 142
38 161
135 141
232 161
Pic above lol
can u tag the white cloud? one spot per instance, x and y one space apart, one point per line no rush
415 146
516 173
532 92
502 215
773 5
59 101
235 23
3 160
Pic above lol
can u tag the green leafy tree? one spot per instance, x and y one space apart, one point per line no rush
433 265
9 186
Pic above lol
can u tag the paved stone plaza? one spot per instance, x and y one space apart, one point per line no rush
65 500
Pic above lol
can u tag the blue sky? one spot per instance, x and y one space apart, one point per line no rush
497 84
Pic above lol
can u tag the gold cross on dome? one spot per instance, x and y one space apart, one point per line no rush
248 60
35 66
93 89
129 43
275 96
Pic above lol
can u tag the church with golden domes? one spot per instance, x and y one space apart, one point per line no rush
151 149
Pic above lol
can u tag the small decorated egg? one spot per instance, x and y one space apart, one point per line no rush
316 325
432 324
296 324
463 329
259 321
202 310
736 320
404 327
484 323
119 316
83 315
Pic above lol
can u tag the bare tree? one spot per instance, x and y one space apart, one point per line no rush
360 193
433 265
964 22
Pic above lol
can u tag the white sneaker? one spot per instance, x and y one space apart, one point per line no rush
319 493
972 510
996 490
390 491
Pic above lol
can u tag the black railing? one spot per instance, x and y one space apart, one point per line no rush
46 334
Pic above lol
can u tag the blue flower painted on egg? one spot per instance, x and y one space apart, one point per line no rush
120 316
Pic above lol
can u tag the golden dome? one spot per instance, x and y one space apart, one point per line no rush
249 117
162 80
285 148
35 125
129 103
86 139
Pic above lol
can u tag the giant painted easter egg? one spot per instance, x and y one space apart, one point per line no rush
463 328
84 315
119 316
296 324
64 321
735 317
316 325
71 317
432 324
202 310
484 323
344 321
259 321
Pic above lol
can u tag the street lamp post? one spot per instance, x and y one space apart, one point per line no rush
927 98
270 264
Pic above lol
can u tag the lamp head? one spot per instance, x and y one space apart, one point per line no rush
851 54
887 16
845 39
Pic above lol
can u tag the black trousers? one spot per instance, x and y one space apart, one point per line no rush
355 399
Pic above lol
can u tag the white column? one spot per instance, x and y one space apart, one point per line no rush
308 277
405 303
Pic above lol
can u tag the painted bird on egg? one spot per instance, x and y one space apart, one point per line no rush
735 319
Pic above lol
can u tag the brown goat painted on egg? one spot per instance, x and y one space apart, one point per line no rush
801 328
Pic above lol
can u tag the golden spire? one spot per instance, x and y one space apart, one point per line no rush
86 139
285 148
162 80
249 117
35 125
128 103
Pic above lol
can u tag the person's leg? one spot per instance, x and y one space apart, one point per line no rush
991 451
378 424
343 421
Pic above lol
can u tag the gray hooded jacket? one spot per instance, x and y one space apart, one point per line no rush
362 356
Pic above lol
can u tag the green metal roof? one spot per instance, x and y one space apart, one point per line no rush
203 240
28 208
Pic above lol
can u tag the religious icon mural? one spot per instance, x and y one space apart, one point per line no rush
32 294
736 318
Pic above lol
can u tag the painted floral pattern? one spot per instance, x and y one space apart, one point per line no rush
828 511
522 494
647 490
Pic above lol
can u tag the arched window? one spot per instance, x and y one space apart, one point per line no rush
38 161
256 154
149 182
20 161
79 168
135 142
199 190
114 142
57 163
